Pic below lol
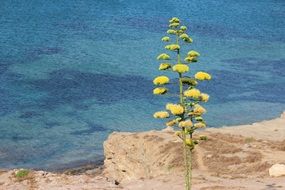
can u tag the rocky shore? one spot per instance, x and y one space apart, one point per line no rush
240 157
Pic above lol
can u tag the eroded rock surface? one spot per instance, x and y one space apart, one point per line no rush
142 155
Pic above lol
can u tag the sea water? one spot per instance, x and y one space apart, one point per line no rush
72 72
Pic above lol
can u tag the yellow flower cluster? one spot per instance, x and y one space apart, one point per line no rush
204 97
161 80
165 39
187 123
180 68
184 28
193 53
190 59
164 66
171 123
200 125
171 31
159 90
199 110
175 109
192 56
202 76
174 25
186 38
172 47
178 133
174 20
192 93
161 114
163 56
182 36
186 114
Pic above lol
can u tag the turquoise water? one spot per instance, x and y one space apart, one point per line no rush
71 72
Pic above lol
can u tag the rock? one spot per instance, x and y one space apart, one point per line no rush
42 173
142 155
209 156
277 170
95 171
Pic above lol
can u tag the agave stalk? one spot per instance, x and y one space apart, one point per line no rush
187 113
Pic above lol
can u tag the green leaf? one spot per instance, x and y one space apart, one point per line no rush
203 138
199 118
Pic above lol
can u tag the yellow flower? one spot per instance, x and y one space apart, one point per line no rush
168 106
164 66
200 125
202 76
204 97
161 114
175 24
174 20
165 39
193 53
190 59
188 40
163 56
183 28
178 119
187 123
170 123
178 133
192 93
159 90
171 31
180 68
172 47
160 80
184 36
175 109
199 110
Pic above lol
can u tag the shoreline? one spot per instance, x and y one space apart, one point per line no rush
273 129
234 157
82 165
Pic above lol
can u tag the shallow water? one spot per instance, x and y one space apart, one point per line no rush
71 72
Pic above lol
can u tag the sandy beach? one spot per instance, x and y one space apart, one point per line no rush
236 157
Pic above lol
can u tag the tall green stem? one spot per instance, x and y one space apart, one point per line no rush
186 149
181 89
190 168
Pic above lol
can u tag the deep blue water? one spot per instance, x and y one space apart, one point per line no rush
71 72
